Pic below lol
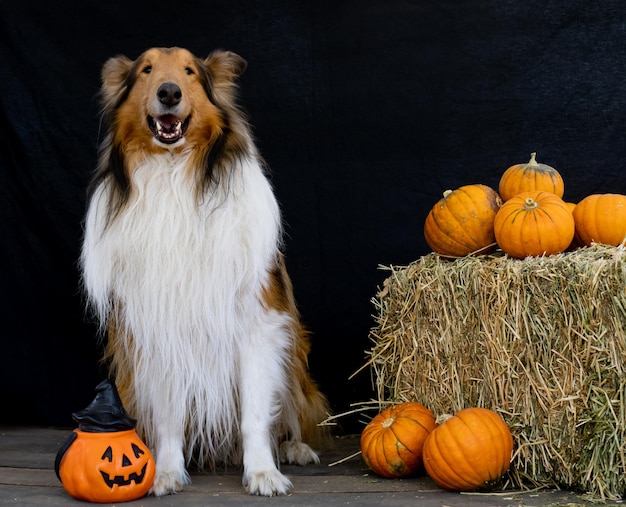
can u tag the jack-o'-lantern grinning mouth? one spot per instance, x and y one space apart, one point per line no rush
168 128
120 480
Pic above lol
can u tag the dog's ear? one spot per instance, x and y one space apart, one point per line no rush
114 79
225 65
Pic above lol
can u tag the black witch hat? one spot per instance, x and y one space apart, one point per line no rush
105 413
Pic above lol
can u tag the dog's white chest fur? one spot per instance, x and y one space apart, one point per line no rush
188 275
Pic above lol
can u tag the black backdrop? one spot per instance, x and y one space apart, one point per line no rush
366 110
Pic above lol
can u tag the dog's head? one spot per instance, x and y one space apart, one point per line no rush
168 96
169 100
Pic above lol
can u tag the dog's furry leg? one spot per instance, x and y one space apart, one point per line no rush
159 422
303 409
166 428
263 381
303 406
165 437
171 474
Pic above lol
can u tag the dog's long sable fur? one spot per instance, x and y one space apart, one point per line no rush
182 265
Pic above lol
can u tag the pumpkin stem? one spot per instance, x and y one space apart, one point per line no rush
530 203
447 193
532 158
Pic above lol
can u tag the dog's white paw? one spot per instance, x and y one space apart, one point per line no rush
169 482
267 483
297 453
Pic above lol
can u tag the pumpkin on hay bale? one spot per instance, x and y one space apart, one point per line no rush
541 341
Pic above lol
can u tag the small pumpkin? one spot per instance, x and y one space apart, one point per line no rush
601 218
461 222
469 451
530 176
534 223
104 460
391 443
107 467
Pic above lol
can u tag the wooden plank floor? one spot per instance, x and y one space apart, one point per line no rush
27 478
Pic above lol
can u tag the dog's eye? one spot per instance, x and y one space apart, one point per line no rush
189 71
147 69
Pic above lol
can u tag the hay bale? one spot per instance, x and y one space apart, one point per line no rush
542 341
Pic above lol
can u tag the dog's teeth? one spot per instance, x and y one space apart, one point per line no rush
168 131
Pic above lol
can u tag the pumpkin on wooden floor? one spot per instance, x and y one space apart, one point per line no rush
469 451
392 442
601 218
533 224
105 460
107 467
530 176
461 222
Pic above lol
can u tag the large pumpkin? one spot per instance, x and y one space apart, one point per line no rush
470 451
391 443
461 222
106 467
601 218
534 223
531 176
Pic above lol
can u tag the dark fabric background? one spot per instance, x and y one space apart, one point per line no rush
366 110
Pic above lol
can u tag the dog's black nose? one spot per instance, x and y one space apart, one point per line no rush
169 94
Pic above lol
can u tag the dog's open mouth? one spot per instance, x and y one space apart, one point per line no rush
168 128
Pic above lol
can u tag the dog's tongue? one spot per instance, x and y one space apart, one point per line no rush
168 121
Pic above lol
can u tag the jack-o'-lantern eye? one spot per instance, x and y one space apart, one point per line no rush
108 455
138 451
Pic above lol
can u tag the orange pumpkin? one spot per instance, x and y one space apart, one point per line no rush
461 222
531 176
470 451
601 218
534 223
106 466
391 444
104 460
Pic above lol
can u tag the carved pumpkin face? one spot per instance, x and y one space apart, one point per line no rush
106 466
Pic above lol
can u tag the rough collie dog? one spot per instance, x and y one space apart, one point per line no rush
182 265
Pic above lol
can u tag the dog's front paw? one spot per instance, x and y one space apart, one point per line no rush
169 482
267 483
297 453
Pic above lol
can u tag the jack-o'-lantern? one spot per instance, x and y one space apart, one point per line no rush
105 460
